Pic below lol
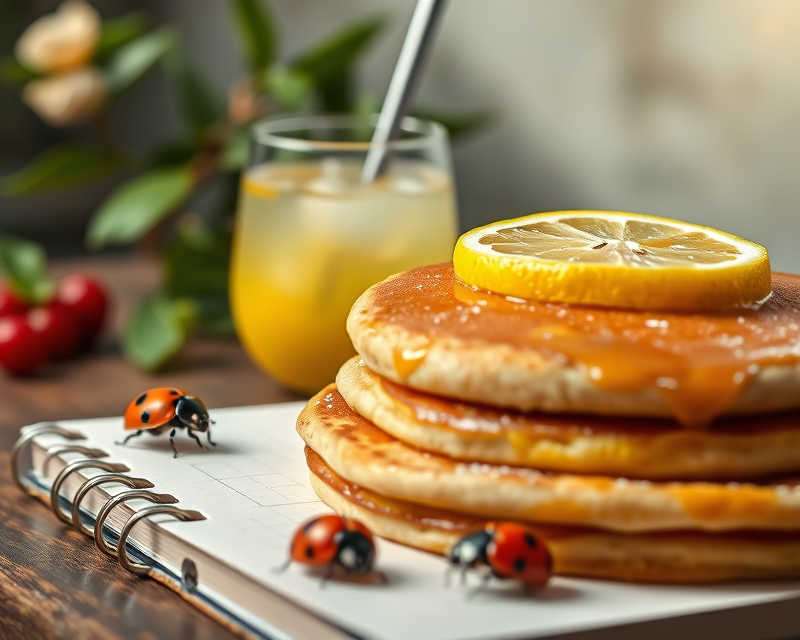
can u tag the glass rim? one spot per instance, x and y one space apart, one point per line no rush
268 132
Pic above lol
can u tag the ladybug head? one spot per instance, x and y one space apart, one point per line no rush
470 551
355 551
192 413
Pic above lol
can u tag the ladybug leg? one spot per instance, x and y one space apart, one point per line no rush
172 443
283 566
208 435
193 435
133 435
327 576
462 574
481 587
382 577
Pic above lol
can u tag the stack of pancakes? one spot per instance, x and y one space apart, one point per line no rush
642 446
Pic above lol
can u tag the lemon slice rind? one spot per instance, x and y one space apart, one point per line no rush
556 257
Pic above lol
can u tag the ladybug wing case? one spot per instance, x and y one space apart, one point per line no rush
152 409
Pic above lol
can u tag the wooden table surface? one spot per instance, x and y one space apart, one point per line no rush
53 582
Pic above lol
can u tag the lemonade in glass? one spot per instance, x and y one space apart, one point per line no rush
310 237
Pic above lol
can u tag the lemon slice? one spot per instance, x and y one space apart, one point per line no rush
255 188
613 259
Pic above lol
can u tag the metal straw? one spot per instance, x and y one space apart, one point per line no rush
401 87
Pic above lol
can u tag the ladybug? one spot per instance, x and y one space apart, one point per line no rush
156 410
333 541
510 550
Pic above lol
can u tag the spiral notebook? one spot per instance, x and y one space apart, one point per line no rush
248 496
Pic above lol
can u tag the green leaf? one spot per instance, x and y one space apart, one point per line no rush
118 32
457 125
257 32
138 206
174 152
199 105
236 151
136 58
330 64
156 331
25 264
196 266
366 105
336 94
196 261
339 52
59 166
214 315
291 88
13 74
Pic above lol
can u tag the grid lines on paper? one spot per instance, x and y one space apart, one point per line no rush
278 496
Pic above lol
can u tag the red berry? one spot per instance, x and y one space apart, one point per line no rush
22 351
10 304
86 300
57 328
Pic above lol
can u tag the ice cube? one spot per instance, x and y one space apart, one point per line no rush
336 208
336 178
414 178
409 184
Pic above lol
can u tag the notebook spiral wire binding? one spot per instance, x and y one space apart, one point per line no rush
122 555
164 503
144 494
77 465
22 443
86 487
53 452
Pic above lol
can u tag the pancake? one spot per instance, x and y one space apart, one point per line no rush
424 329
677 557
365 455
735 448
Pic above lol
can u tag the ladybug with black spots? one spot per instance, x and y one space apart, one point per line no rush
156 410
509 549
332 541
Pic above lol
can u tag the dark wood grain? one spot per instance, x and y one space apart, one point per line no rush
53 583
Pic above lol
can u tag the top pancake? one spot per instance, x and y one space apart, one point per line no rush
424 329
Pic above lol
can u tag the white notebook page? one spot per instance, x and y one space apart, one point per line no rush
254 490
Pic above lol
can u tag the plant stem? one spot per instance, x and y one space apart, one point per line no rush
204 165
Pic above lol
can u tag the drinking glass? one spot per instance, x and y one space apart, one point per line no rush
310 237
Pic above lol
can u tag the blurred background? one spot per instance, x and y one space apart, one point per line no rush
684 109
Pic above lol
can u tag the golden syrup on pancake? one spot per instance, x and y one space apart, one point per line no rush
459 522
700 362
406 361
706 502
436 518
712 502
529 427
632 447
